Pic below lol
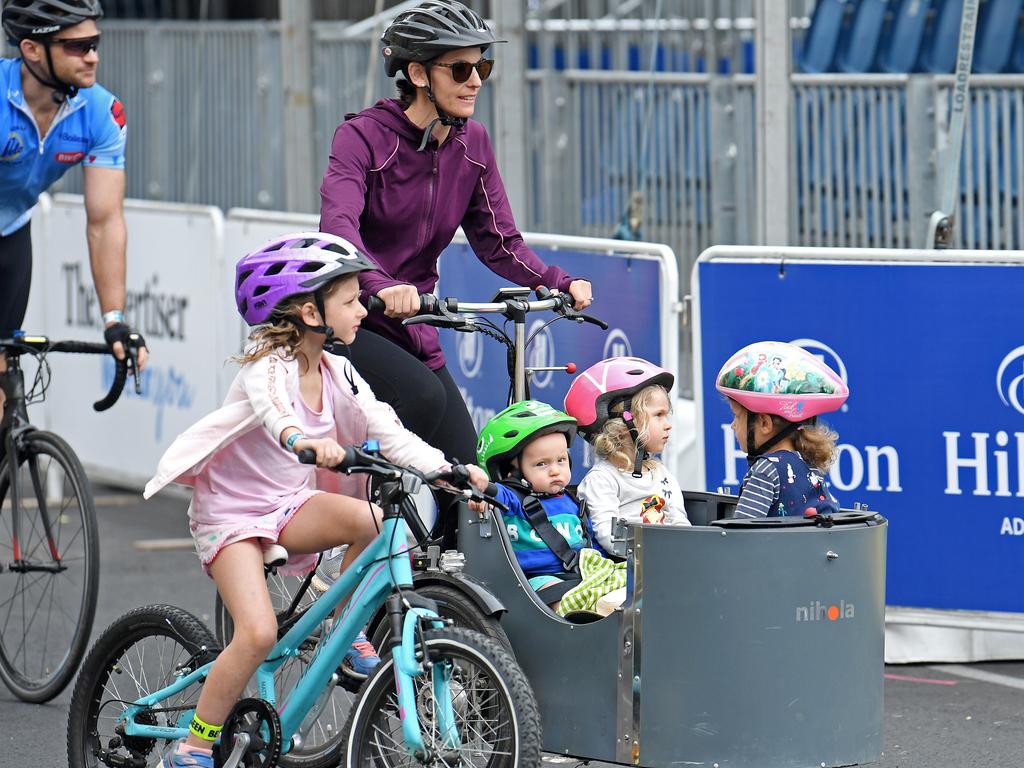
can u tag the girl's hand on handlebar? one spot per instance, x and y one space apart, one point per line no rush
582 293
328 452
400 300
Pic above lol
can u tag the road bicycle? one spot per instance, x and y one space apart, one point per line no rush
442 696
49 546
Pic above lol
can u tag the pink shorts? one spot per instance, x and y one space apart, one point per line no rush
211 538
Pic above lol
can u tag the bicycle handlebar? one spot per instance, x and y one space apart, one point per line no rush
42 345
359 461
443 312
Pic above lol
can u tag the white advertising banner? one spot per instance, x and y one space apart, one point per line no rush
177 297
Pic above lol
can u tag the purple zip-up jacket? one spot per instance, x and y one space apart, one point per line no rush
402 207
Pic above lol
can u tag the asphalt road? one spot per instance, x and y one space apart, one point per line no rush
936 716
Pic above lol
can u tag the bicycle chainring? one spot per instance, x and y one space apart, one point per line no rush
257 719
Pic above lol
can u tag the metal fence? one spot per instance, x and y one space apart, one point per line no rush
205 115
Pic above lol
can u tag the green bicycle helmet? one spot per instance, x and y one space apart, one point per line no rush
503 437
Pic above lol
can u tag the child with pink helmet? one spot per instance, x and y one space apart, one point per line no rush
776 392
622 408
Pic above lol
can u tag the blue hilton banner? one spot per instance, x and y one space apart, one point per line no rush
932 435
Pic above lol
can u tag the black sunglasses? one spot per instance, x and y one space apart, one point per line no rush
77 46
461 70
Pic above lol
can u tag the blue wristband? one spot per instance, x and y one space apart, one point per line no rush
293 438
113 316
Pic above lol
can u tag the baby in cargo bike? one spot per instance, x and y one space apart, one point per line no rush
526 447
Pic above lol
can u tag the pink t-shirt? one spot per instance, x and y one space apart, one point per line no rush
255 475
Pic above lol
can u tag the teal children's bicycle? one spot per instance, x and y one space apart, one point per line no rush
443 696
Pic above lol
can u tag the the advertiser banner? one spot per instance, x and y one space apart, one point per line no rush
631 294
932 435
173 299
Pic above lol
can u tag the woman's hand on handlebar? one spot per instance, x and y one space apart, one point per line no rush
400 300
328 452
582 294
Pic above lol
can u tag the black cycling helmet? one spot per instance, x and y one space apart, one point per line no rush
430 29
36 19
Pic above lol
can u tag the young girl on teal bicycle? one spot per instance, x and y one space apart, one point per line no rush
302 294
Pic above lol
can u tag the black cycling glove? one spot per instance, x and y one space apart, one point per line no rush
122 332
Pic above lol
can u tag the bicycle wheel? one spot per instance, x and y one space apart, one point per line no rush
51 563
451 604
495 710
319 739
141 652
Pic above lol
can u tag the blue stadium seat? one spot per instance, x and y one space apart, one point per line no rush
822 39
747 55
1017 55
859 48
998 21
901 44
941 37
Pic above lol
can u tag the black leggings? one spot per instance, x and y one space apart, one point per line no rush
15 278
428 402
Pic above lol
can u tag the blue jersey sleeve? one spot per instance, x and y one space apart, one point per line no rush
511 500
108 129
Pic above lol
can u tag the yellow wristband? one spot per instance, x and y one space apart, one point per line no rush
204 731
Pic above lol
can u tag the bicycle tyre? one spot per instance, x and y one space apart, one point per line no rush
160 634
451 604
518 731
34 667
322 742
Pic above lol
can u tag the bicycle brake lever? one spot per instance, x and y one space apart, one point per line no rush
580 317
133 368
439 321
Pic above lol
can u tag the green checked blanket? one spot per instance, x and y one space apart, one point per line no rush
600 576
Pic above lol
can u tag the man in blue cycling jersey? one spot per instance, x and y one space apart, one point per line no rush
54 115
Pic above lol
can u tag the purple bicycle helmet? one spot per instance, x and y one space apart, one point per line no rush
303 262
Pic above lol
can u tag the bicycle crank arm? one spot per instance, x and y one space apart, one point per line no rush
235 758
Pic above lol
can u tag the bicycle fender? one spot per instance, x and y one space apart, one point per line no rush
475 590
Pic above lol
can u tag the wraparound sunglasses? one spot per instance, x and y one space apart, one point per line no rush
77 46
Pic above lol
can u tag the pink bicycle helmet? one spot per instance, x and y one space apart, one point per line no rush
303 262
782 380
593 392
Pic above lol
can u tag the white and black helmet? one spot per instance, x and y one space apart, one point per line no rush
34 19
430 29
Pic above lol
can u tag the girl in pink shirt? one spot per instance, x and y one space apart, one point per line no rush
302 294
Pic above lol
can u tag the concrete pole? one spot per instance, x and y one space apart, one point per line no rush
509 82
303 178
774 114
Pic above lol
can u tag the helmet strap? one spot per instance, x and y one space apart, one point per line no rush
60 90
641 452
325 329
318 297
442 117
753 452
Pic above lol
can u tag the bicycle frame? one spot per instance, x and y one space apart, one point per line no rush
383 568
13 425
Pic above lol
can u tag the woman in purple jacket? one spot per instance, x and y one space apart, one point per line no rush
403 175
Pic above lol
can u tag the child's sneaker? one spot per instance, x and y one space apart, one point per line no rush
173 758
361 658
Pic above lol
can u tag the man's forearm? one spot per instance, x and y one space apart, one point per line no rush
107 242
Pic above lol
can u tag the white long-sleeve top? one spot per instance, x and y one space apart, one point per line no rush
654 497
